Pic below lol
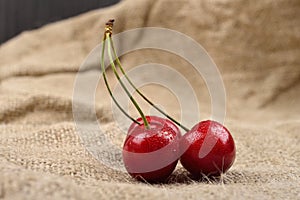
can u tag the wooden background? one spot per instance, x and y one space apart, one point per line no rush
19 15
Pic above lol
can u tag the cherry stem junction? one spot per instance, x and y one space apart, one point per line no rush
107 36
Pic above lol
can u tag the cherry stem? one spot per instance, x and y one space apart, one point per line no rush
138 91
146 124
107 85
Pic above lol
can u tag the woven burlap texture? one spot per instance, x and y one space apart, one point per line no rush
255 44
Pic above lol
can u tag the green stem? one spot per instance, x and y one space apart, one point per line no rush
107 85
138 91
146 124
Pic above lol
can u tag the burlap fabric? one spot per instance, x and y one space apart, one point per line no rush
256 47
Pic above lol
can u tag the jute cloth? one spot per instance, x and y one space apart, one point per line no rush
256 46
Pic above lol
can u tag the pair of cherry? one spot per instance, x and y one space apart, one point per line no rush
154 145
152 154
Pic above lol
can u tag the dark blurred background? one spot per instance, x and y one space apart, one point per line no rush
19 15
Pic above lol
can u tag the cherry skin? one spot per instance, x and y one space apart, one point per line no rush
151 154
208 149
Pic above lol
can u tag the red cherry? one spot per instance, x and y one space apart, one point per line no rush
208 149
151 154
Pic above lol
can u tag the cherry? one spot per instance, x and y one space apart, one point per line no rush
151 154
208 149
151 148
